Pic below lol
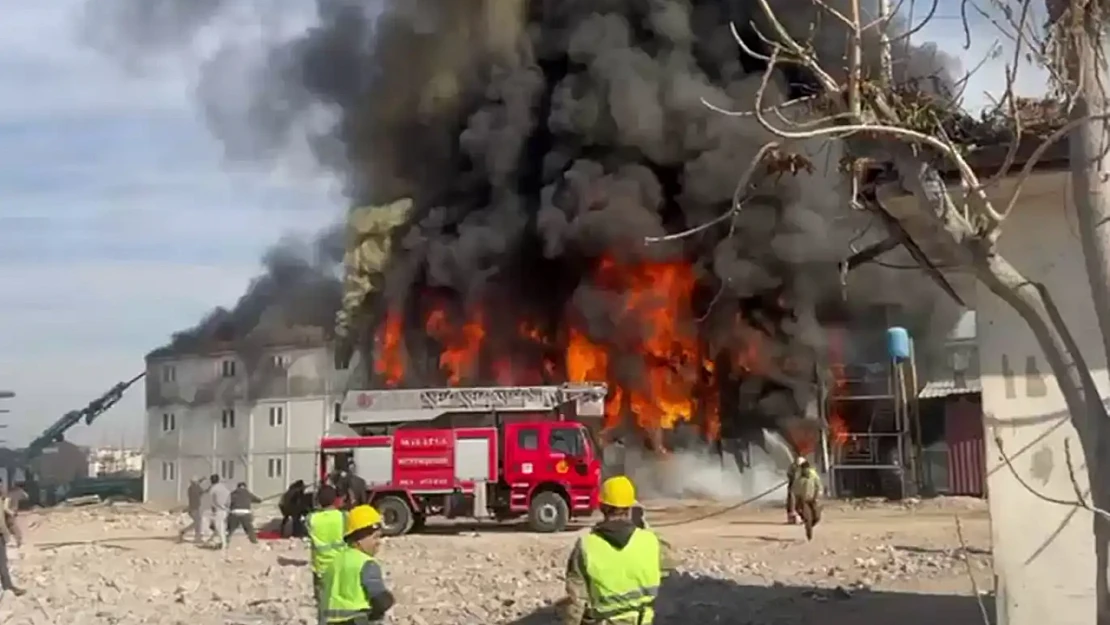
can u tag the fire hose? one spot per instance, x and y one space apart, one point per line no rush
725 510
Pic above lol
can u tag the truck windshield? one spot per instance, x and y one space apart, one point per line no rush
590 442
566 441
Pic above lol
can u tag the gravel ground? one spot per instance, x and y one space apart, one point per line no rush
872 561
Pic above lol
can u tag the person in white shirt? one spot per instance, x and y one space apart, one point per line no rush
220 498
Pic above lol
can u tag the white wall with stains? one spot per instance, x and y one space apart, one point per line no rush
1043 551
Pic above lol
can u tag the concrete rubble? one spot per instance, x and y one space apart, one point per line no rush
121 565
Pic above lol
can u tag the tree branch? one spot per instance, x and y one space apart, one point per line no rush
1080 500
737 199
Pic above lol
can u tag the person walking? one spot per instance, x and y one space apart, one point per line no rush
240 514
354 587
220 499
195 496
806 490
614 572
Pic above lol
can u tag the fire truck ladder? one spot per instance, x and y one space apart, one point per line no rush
504 398
512 397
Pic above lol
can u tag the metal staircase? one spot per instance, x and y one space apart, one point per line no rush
888 394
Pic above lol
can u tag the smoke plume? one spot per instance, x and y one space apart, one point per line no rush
294 299
541 142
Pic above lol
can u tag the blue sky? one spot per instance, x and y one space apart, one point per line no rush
121 221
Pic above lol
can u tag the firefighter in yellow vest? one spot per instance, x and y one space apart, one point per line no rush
355 590
614 572
325 535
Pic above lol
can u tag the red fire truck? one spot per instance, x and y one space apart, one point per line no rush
493 452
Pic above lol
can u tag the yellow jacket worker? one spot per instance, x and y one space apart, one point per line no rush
354 589
325 535
614 572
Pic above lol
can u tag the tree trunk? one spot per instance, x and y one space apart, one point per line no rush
1089 143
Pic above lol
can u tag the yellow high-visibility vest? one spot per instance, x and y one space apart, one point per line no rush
345 598
325 531
622 583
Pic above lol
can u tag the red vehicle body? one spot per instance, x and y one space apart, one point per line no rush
493 452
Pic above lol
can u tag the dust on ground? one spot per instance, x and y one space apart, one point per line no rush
871 562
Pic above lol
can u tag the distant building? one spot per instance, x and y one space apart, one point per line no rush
951 414
254 415
115 461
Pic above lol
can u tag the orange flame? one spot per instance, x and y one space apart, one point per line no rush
838 430
656 335
460 345
390 364
658 304
838 427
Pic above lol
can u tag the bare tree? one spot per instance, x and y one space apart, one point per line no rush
858 103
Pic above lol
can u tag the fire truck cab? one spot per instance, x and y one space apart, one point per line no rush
486 453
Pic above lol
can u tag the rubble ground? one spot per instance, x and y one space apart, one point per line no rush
869 563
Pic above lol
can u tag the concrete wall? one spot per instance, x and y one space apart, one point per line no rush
257 421
1043 552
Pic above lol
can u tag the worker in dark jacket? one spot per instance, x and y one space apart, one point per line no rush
354 588
295 505
356 487
614 572
240 514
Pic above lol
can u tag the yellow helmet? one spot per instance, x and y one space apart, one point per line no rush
361 517
618 492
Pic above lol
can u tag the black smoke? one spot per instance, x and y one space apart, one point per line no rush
293 301
535 136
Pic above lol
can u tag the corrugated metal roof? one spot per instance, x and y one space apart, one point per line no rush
945 388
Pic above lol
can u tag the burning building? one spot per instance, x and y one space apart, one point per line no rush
551 177
546 197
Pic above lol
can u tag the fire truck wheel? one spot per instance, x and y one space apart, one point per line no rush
396 515
548 513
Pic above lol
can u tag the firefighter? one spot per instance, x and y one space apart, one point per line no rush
325 535
614 572
805 491
355 591
791 504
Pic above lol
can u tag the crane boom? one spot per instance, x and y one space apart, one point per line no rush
56 432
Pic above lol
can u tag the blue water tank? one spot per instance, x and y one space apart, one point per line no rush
898 343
